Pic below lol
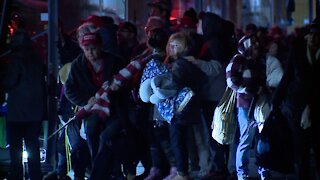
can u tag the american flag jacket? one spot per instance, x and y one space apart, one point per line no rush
247 77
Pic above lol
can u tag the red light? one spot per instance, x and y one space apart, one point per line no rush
11 30
172 18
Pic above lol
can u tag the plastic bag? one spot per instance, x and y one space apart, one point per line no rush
224 123
261 111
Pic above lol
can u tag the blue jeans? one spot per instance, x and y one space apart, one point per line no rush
178 134
247 132
160 147
80 155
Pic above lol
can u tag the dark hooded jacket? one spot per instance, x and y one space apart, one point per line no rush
79 87
24 81
217 33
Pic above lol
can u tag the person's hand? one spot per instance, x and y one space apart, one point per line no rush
92 100
305 122
191 59
105 85
113 86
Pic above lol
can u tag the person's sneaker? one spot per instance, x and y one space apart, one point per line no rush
194 174
202 173
142 176
266 177
79 178
188 94
244 177
179 177
232 176
51 176
131 177
64 178
173 173
155 174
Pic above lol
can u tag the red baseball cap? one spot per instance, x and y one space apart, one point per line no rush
94 19
91 39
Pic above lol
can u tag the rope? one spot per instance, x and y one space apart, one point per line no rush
67 145
68 153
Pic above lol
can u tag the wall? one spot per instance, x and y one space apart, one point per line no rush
302 12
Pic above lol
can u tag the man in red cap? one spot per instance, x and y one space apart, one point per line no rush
87 74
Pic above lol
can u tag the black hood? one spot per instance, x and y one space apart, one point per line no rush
212 25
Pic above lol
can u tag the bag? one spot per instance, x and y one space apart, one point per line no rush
224 123
261 111
275 147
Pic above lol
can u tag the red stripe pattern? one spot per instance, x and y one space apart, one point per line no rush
102 105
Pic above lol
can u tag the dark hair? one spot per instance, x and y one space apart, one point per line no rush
212 25
107 20
128 26
191 12
201 14
251 27
158 39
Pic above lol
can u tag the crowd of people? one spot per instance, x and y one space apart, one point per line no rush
153 102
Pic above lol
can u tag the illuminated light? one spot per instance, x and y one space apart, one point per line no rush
11 30
42 155
25 156
172 18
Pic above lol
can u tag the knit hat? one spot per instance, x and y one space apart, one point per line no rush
245 43
91 39
95 20
275 33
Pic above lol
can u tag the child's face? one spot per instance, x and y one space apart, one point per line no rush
273 49
175 48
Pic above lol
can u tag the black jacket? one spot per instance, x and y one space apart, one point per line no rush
186 74
79 87
24 82
299 85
